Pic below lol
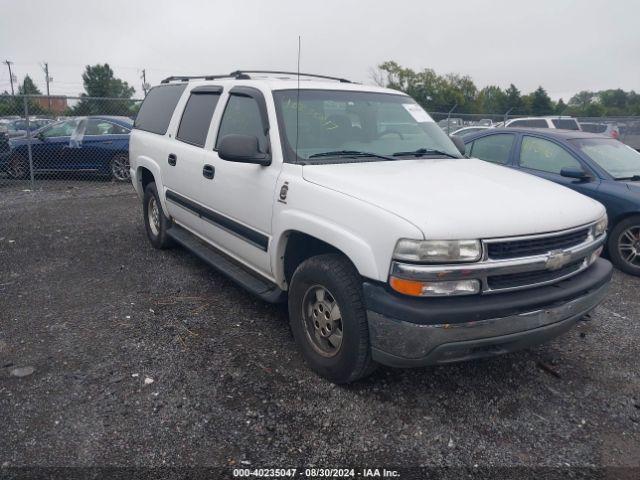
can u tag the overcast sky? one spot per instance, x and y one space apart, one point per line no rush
563 45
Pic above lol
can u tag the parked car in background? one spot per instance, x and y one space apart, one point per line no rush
18 127
595 165
96 144
451 124
4 143
608 129
468 130
565 123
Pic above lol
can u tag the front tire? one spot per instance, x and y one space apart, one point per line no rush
328 318
624 245
155 221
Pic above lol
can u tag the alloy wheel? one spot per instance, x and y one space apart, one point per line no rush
322 320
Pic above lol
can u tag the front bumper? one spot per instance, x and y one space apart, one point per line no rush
416 332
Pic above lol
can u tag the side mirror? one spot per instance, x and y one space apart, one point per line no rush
575 172
457 141
40 136
243 149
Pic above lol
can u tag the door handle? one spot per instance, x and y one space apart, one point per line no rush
208 171
172 159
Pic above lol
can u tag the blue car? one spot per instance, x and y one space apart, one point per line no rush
595 165
96 144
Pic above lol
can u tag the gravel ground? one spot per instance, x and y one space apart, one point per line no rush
148 358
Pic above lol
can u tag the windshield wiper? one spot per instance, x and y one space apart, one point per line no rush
350 153
633 178
424 151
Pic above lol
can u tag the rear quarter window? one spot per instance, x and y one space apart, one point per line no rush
565 124
157 109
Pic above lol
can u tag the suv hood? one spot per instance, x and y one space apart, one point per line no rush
460 198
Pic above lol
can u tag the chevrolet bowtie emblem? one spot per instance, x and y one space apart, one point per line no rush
557 259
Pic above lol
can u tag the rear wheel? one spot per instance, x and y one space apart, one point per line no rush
624 245
120 168
18 167
155 221
328 318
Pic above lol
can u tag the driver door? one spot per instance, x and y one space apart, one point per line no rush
51 149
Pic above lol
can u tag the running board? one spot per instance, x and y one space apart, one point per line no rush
252 282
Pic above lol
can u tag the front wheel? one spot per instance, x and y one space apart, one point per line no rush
328 318
120 168
624 245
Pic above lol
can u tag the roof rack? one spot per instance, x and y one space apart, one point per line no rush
244 75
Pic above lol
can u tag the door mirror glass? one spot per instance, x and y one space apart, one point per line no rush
242 148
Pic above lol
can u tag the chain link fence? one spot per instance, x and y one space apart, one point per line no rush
46 140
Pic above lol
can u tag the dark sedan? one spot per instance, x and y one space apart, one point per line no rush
97 144
596 165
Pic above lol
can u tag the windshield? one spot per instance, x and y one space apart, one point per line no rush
616 158
343 123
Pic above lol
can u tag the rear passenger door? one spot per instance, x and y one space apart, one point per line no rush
239 196
494 148
185 158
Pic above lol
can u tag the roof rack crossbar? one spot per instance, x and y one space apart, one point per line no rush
239 73
244 75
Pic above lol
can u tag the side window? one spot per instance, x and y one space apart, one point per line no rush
242 116
196 118
493 148
532 123
102 127
62 129
157 109
546 156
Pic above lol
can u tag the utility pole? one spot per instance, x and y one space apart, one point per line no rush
45 67
145 85
10 75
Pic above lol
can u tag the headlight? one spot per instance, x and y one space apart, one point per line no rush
601 226
435 289
438 251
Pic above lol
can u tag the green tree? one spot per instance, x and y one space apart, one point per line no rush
561 107
100 82
28 87
513 100
492 99
541 104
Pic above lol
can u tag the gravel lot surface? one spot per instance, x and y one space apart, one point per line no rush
148 358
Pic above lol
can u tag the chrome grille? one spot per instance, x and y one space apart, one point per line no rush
516 280
528 247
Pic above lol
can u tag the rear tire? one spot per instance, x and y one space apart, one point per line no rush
155 221
328 318
119 166
18 167
624 245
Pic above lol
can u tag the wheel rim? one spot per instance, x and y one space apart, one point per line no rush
629 245
18 167
120 168
153 212
322 320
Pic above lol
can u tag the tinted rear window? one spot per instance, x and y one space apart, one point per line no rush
197 118
535 123
156 110
594 127
566 124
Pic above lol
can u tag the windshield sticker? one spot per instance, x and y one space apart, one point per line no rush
417 112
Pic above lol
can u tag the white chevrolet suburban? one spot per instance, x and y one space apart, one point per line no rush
349 202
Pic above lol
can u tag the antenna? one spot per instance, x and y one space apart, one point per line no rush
298 100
